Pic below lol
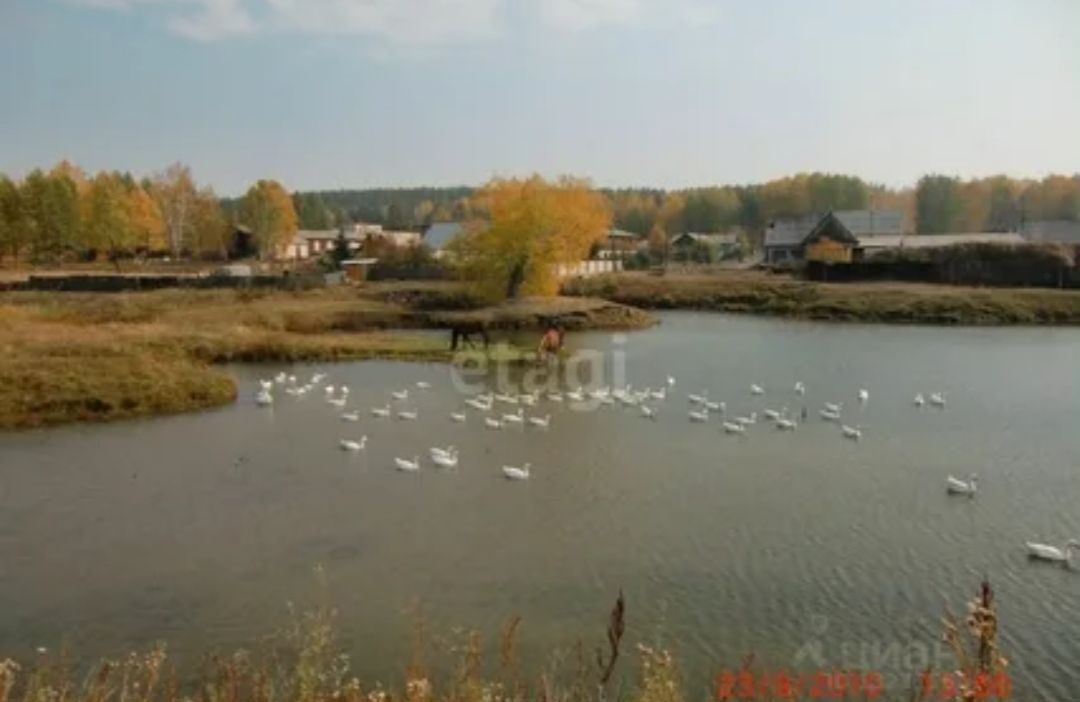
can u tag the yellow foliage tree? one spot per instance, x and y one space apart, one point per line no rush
525 229
147 224
106 223
268 209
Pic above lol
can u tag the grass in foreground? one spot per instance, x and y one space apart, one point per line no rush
308 667
759 293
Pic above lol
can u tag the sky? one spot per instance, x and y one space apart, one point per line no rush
326 94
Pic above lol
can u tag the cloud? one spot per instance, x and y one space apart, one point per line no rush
577 15
213 19
397 21
402 22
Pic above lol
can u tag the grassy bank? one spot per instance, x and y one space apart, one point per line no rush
100 356
912 303
306 665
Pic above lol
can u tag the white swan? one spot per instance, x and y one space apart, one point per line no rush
436 451
937 399
400 394
864 394
266 384
919 399
702 416
264 399
292 380
772 414
576 395
350 417
744 421
698 399
507 399
785 424
735 427
854 433
833 406
317 378
671 380
555 397
757 390
829 416
715 406
351 445
445 460
380 411
800 389
403 464
457 416
648 412
1053 553
541 422
423 384
280 377
491 423
517 418
515 473
407 415
329 389
478 403
660 394
337 401
956 486
343 389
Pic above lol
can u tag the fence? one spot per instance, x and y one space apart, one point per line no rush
584 269
127 283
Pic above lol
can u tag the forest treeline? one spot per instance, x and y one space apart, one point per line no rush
936 204
65 212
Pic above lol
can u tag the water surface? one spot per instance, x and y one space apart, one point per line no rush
199 529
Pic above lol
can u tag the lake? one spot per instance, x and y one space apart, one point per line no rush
806 549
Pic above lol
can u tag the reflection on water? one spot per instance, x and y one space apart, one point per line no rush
798 546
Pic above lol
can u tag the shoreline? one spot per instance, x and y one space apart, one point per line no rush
880 303
91 357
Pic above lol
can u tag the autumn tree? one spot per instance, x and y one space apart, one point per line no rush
211 231
144 216
530 226
176 195
13 232
106 220
51 206
268 210
939 206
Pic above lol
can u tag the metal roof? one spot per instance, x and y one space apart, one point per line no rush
790 232
1052 231
713 239
871 222
440 233
622 234
325 234
929 241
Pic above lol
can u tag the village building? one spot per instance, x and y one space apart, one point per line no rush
786 241
439 234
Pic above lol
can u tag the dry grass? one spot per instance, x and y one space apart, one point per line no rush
304 664
872 302
101 356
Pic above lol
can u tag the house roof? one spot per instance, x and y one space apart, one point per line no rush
790 232
871 222
325 234
440 233
622 234
710 239
929 241
1052 231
